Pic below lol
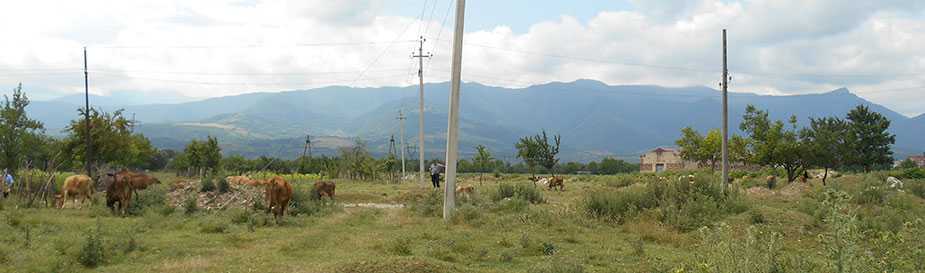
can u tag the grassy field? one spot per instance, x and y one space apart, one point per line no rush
629 223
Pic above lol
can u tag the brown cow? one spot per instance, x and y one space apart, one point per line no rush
124 184
119 191
324 188
555 182
278 194
465 190
78 187
772 180
242 180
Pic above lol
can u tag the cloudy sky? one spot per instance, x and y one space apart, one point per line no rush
165 51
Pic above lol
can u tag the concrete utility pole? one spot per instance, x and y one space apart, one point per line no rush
725 117
452 130
401 140
420 55
89 152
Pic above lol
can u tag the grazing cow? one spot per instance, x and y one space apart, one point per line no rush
77 187
242 180
278 194
772 180
465 190
119 191
555 182
324 188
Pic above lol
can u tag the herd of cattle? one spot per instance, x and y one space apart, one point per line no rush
123 184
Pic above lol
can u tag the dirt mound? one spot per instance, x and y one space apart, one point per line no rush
239 196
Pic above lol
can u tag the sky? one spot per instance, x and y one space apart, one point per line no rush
173 50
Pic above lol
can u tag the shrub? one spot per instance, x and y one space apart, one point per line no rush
621 181
466 213
916 187
400 247
521 191
686 206
870 193
223 186
91 254
206 184
302 203
616 206
212 225
189 205
429 205
549 249
153 197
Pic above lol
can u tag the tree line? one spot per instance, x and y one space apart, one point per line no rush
860 141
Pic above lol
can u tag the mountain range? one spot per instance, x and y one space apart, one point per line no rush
595 120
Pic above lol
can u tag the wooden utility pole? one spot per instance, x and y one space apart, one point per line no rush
725 117
401 140
88 161
308 144
452 131
420 55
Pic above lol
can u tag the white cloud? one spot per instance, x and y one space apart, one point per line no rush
776 47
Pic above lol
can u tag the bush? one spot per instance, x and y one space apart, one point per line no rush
686 206
915 187
189 205
523 191
223 186
302 203
429 205
400 247
91 254
549 249
206 185
212 225
153 197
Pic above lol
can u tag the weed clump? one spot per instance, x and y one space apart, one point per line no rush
91 254
683 205
520 191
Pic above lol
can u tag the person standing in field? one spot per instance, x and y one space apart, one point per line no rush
7 183
435 170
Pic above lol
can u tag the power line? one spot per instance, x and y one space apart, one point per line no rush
318 44
244 73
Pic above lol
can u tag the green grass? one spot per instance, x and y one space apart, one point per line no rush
486 235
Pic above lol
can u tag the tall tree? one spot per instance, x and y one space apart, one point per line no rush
15 128
703 150
826 144
538 151
870 138
112 140
482 160
773 143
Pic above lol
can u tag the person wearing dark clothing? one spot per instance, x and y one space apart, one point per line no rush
435 170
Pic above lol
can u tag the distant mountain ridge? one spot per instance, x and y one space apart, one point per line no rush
594 119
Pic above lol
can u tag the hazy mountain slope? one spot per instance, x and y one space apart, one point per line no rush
594 119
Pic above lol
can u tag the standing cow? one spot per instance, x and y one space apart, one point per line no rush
278 194
324 188
78 187
124 184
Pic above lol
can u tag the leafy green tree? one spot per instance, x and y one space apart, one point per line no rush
482 160
611 165
111 139
203 156
538 151
907 164
237 164
826 145
870 138
773 143
15 128
738 149
703 150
